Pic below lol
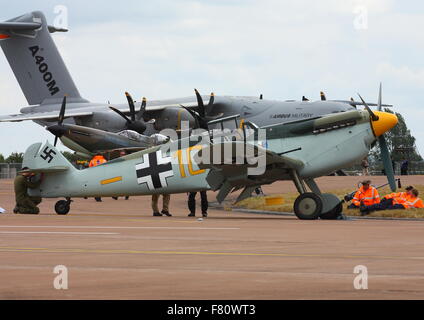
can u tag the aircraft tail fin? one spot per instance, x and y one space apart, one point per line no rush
45 159
35 60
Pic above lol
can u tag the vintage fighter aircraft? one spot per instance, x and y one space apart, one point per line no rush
44 80
87 142
299 151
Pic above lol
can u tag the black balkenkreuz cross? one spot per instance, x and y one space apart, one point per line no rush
154 170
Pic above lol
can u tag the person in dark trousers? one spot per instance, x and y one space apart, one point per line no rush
24 202
192 203
404 168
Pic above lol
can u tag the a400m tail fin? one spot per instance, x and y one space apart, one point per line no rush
35 60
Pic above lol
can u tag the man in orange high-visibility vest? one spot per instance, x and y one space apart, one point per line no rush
402 200
97 159
404 194
413 201
366 195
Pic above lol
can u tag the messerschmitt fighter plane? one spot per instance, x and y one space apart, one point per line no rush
45 80
299 151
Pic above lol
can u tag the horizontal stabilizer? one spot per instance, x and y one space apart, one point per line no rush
46 170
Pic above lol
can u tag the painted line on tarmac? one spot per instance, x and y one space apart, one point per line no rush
57 232
201 253
123 227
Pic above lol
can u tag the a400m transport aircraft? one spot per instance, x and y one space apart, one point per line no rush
299 151
45 80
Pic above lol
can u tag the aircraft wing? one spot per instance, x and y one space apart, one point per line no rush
53 115
233 174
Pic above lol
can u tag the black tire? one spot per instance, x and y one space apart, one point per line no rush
308 206
62 207
334 213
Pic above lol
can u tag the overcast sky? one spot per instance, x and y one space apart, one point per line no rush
283 49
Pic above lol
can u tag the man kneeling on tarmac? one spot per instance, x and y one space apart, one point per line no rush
400 200
24 202
366 195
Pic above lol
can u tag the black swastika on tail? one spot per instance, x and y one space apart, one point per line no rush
48 154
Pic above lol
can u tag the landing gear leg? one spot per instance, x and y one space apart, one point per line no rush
62 207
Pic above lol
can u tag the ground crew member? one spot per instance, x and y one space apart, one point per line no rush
402 200
405 194
192 203
366 195
365 165
413 201
25 203
166 198
97 159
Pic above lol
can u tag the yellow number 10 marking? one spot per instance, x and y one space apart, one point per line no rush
191 171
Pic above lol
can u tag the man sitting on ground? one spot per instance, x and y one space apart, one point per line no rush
366 195
401 200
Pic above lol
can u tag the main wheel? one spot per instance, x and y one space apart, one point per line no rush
333 214
62 207
308 206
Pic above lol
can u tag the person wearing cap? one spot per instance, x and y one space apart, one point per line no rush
404 194
401 200
24 202
366 195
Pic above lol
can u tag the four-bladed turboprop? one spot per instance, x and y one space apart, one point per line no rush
134 123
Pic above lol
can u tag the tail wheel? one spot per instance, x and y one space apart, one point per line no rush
62 207
308 206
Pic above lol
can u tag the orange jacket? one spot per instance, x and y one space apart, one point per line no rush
396 195
413 202
368 197
99 159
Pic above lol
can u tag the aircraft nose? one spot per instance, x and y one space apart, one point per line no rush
385 122
57 130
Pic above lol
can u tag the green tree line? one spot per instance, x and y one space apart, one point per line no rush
18 157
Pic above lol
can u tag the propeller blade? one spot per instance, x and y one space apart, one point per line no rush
379 99
194 114
121 114
131 105
142 108
374 117
55 140
211 99
200 105
62 110
322 95
387 162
